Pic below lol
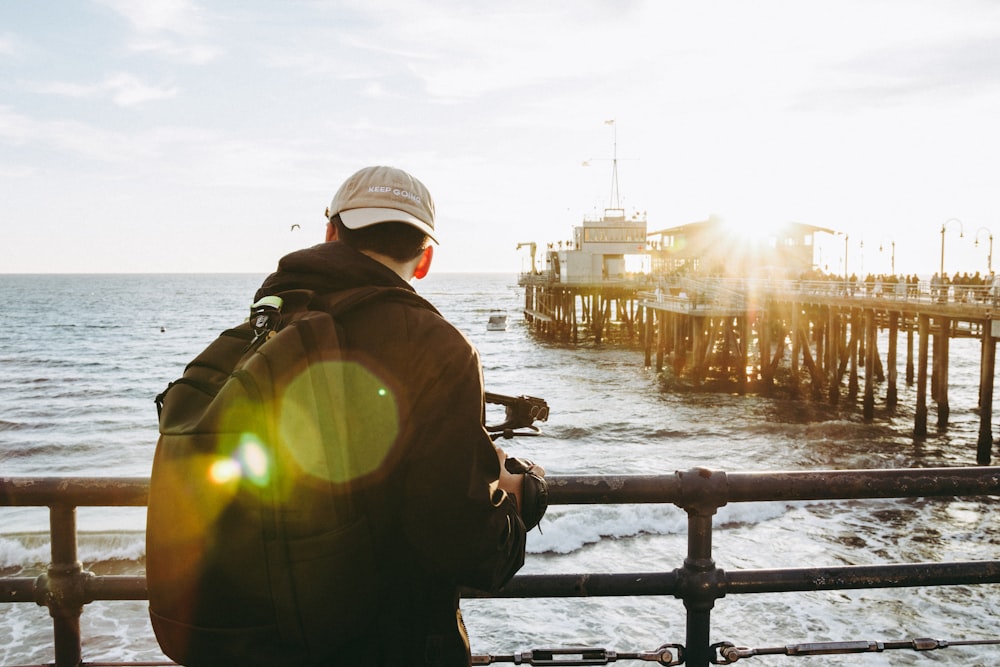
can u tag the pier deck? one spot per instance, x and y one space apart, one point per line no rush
806 337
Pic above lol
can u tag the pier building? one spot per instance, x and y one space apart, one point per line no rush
711 247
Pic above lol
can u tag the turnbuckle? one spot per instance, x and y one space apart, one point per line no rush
566 656
584 655
726 653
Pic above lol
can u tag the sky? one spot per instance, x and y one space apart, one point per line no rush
190 135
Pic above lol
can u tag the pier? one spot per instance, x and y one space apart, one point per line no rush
809 338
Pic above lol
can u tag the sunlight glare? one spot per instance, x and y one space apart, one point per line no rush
224 471
254 459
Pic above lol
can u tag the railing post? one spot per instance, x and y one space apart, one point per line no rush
62 588
702 493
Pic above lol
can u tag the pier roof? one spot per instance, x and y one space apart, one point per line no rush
787 227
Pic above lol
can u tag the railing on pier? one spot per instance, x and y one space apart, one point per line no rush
67 586
725 291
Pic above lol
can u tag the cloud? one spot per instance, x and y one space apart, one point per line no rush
124 89
476 52
456 52
176 29
62 88
77 138
929 55
69 136
178 16
8 45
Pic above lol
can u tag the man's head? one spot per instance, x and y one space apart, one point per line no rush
385 211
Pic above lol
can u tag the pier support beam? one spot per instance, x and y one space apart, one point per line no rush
833 345
909 353
871 350
891 397
796 350
647 343
856 331
920 415
984 448
941 364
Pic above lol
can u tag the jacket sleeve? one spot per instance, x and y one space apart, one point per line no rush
461 526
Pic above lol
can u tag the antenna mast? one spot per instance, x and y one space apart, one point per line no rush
615 197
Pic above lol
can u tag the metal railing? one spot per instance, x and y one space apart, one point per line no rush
67 587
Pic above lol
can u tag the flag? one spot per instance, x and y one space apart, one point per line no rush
610 122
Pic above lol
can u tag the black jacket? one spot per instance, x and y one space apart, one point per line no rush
435 524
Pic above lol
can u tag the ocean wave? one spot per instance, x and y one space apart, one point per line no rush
568 529
99 548
28 552
29 450
32 551
15 426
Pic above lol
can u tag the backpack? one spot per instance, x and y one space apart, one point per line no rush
255 551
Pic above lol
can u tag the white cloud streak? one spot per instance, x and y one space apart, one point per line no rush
175 29
123 89
8 45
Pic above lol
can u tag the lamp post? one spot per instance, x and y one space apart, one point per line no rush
944 226
892 262
846 238
989 255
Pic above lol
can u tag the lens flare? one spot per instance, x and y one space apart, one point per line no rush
254 460
355 436
224 471
249 462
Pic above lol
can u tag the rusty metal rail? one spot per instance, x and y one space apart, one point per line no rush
67 587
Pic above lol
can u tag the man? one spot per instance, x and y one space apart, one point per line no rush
442 507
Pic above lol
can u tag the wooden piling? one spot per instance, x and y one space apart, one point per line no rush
868 402
984 446
909 354
891 397
943 409
920 414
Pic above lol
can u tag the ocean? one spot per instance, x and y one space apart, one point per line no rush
84 355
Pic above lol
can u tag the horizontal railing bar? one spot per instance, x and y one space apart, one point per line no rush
600 489
785 580
897 575
73 491
17 589
844 484
87 663
94 587
119 587
583 585
775 486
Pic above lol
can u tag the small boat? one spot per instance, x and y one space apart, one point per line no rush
497 321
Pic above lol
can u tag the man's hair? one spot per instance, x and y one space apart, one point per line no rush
398 240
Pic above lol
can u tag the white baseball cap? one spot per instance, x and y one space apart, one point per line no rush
383 194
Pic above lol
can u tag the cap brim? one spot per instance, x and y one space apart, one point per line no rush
356 218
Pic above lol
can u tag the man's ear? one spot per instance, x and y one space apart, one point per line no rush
424 265
331 232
